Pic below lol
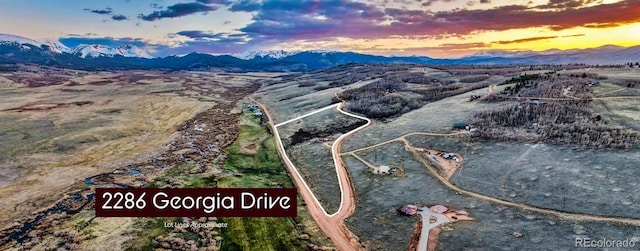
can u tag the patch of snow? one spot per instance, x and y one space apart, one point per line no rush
8 38
99 50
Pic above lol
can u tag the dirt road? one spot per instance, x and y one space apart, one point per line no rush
331 224
403 139
425 215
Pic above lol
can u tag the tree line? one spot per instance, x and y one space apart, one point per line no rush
563 121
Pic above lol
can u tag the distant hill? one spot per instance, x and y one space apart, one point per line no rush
16 49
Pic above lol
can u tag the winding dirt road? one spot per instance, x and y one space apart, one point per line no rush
331 224
403 139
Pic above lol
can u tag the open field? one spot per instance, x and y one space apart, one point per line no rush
315 164
50 142
614 73
621 111
607 89
624 112
496 227
548 176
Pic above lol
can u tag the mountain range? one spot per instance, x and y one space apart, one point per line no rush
16 49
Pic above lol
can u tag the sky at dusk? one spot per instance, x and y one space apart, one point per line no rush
436 28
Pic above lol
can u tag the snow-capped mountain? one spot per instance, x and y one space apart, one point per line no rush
50 44
99 50
8 39
274 54
132 51
55 45
83 50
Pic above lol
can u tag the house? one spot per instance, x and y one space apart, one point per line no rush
439 209
257 114
408 209
460 125
536 102
253 108
384 170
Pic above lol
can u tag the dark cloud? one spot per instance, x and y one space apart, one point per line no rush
600 26
119 17
575 35
516 17
102 12
178 10
108 11
430 2
313 19
195 34
485 1
524 40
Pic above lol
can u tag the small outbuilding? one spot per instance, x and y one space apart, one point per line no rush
460 125
384 170
408 209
